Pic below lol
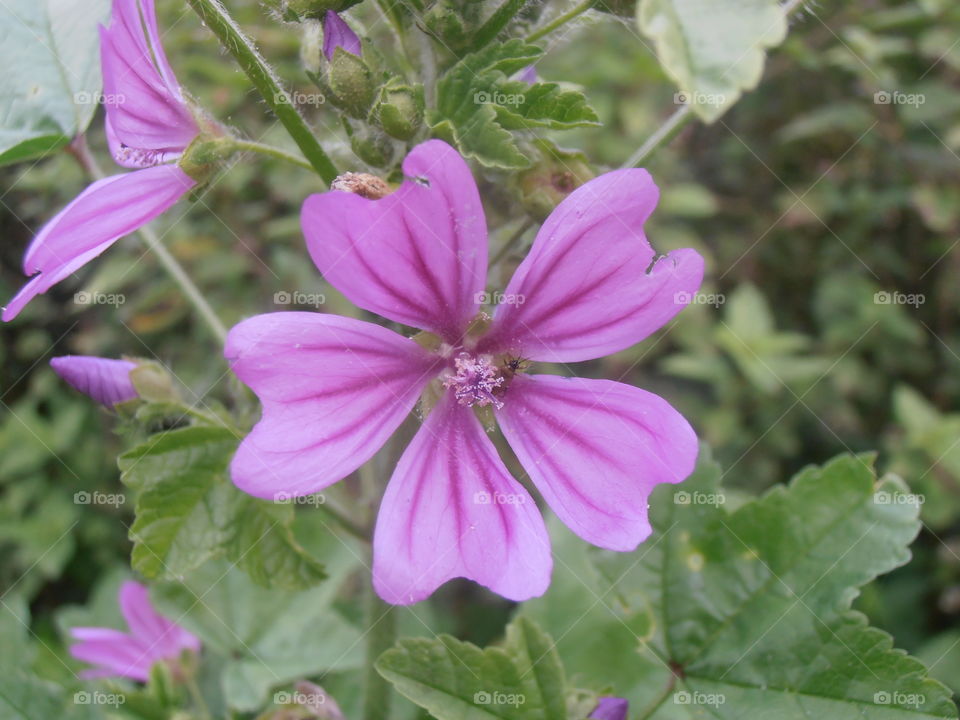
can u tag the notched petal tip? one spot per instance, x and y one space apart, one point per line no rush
596 449
452 510
417 256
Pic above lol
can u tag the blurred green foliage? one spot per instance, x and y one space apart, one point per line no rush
829 215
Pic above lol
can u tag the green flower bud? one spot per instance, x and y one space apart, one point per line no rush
373 147
153 383
351 83
205 155
400 111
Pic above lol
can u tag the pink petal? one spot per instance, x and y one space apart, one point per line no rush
452 510
121 656
105 380
595 449
152 638
146 110
336 33
417 256
333 390
41 282
163 637
98 634
586 289
99 216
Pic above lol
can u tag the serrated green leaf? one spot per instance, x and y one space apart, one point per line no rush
477 104
712 50
754 605
188 512
263 545
49 50
454 680
542 105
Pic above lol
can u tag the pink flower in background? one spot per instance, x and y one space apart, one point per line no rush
336 33
334 389
149 124
152 638
105 380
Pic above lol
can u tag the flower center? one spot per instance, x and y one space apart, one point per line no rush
476 380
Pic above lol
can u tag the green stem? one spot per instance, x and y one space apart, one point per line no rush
572 14
179 275
83 156
271 151
216 17
495 23
663 134
381 623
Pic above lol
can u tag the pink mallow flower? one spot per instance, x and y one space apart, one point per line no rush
104 379
149 125
152 638
334 389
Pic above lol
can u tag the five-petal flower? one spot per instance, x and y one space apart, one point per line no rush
334 389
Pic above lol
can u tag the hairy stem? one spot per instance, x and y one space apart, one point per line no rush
271 151
86 160
572 14
216 17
